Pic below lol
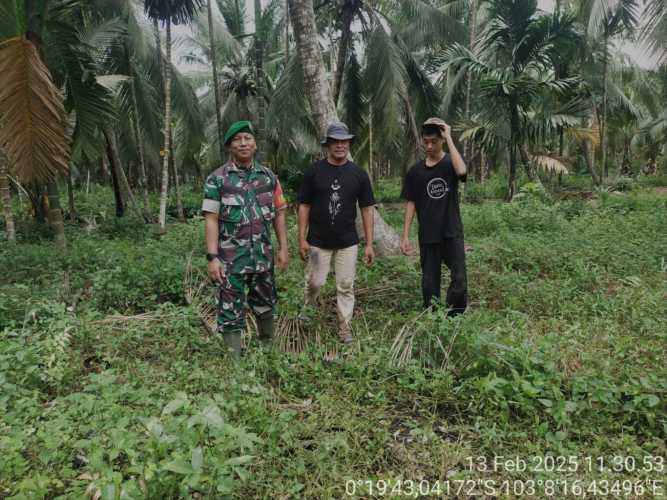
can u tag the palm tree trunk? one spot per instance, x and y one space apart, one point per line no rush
117 165
589 156
413 131
259 76
626 166
514 140
140 154
164 191
525 159
471 42
55 215
482 166
286 32
158 47
6 198
370 139
70 196
216 83
114 160
345 37
177 183
604 170
302 16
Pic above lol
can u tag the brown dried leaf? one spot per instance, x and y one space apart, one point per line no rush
32 114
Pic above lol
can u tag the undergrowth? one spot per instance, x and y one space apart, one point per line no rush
111 388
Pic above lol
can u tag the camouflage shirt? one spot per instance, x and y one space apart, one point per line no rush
246 201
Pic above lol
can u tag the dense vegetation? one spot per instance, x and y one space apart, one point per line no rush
121 389
127 101
111 386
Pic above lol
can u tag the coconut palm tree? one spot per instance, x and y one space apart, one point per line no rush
168 12
42 51
605 20
214 71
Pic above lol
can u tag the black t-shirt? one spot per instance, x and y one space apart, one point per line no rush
435 193
333 193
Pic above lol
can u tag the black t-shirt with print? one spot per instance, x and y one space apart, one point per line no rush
333 191
435 193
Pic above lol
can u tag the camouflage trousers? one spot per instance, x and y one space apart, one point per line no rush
232 299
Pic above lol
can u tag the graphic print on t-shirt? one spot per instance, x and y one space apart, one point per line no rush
334 201
437 188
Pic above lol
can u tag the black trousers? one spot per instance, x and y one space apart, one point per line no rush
452 253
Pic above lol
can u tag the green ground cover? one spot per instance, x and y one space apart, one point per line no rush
110 386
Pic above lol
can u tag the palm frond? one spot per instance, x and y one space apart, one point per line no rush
385 73
289 122
226 44
452 87
583 135
420 88
458 56
425 24
654 32
12 20
84 95
550 163
178 11
610 16
32 113
233 12
353 102
111 82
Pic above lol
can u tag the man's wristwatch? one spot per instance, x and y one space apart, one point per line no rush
211 256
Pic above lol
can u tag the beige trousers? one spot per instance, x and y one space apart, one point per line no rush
345 267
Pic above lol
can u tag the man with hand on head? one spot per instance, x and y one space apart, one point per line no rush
328 198
431 189
242 200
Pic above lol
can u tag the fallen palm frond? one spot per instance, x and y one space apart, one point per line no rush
148 317
402 347
32 123
198 294
419 338
295 336
378 292
291 336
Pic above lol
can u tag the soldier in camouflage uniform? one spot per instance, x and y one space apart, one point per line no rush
242 200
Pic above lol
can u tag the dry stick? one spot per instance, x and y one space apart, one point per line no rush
18 185
451 346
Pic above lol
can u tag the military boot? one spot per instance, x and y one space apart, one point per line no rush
265 328
233 343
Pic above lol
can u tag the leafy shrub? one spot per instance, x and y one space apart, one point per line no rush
493 188
624 184
388 190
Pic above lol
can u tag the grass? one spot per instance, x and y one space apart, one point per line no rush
110 386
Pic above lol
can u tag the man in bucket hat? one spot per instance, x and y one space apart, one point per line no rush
242 200
431 189
328 198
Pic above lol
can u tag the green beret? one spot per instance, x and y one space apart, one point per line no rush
235 128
